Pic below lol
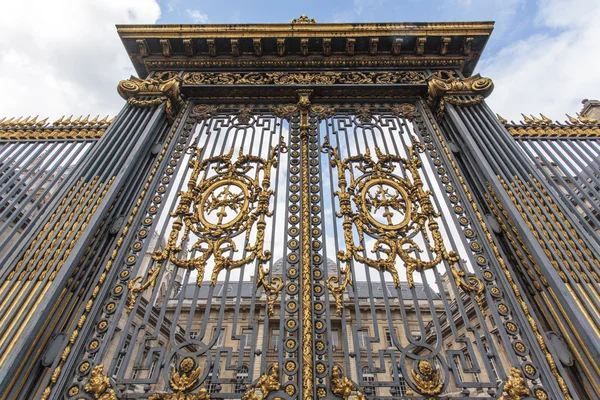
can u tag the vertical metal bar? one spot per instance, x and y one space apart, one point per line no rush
307 329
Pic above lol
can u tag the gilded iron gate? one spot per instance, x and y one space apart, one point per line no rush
247 231
312 250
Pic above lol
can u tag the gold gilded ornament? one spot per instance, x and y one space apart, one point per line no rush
221 202
183 381
427 379
515 387
544 127
305 78
342 386
440 91
99 385
267 383
304 20
388 208
29 128
160 90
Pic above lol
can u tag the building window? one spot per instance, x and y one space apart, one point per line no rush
220 336
335 339
275 339
459 372
121 356
153 367
193 334
247 337
368 377
362 339
388 338
241 379
211 385
400 389
492 360
470 365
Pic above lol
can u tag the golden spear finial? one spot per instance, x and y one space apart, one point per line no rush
545 119
572 120
526 119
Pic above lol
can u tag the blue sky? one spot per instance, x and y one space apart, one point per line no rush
542 54
514 19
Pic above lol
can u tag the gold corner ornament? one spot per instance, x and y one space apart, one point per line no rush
266 384
515 387
99 385
440 91
391 210
427 378
303 19
182 382
221 201
158 91
342 386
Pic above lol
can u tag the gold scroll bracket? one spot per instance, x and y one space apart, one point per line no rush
440 91
152 92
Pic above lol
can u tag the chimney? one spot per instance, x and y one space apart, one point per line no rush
591 109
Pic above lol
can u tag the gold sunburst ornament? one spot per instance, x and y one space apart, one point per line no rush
221 202
427 379
390 209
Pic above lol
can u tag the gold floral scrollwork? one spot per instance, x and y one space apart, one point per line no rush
390 209
342 386
154 91
515 387
99 385
182 382
266 384
427 378
308 78
221 202
440 91
469 284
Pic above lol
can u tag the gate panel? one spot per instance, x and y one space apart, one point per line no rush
413 304
213 276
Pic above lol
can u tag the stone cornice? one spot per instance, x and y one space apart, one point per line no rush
305 45
310 30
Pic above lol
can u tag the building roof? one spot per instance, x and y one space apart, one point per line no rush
305 44
247 290
362 287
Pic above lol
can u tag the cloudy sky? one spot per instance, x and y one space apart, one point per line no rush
64 56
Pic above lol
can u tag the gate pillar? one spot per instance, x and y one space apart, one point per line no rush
554 264
51 270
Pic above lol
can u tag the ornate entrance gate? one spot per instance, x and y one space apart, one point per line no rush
292 235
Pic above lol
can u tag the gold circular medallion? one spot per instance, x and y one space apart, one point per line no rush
223 204
386 204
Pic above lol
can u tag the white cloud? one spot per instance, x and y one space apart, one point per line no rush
361 5
64 56
552 72
172 5
197 17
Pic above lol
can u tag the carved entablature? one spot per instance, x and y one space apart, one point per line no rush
532 126
453 90
304 43
152 92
